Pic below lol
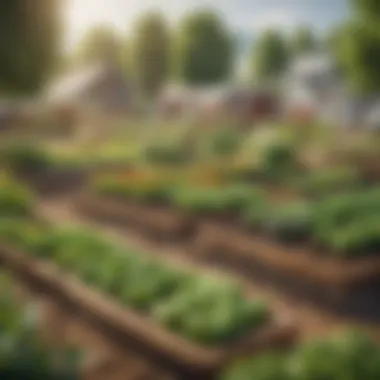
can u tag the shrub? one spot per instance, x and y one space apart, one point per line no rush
215 200
329 181
24 158
289 222
15 200
279 160
167 154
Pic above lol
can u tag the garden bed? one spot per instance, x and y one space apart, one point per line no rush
157 222
56 181
130 327
349 286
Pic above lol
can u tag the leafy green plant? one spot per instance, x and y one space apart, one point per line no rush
25 158
15 200
289 222
348 355
329 181
215 200
201 308
22 353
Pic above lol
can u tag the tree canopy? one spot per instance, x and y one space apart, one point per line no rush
30 33
100 43
270 55
304 41
203 49
150 52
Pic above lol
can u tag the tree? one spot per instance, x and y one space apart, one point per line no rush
366 9
150 52
270 56
203 51
358 47
99 44
30 33
304 41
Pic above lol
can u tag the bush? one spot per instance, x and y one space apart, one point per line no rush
279 160
24 158
289 222
15 200
225 143
150 191
215 200
329 182
167 154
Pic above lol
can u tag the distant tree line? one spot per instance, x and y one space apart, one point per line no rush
200 50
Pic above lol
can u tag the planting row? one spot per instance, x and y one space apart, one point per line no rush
346 355
22 353
202 308
345 225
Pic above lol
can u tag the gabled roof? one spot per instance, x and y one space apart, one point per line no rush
75 85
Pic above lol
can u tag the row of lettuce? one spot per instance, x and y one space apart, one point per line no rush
203 308
207 309
347 224
344 355
23 353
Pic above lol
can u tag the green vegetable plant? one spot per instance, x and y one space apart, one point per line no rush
204 309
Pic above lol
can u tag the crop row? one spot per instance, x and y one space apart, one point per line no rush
345 224
202 308
23 355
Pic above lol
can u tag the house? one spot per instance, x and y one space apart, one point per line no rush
314 90
91 96
218 102
312 87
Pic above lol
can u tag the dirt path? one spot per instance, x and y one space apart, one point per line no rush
311 321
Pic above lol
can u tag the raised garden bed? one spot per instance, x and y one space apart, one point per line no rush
350 286
55 181
185 357
158 222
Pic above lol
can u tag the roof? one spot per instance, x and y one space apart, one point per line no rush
75 85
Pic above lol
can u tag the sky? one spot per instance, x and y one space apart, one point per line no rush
244 16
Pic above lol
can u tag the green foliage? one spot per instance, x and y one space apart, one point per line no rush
270 56
349 223
304 41
349 355
289 222
151 53
224 200
279 160
329 181
147 192
203 308
15 200
167 154
203 51
226 142
24 158
29 44
360 57
22 353
99 44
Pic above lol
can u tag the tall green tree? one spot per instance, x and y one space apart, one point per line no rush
150 52
358 47
270 56
304 41
99 44
203 49
30 33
